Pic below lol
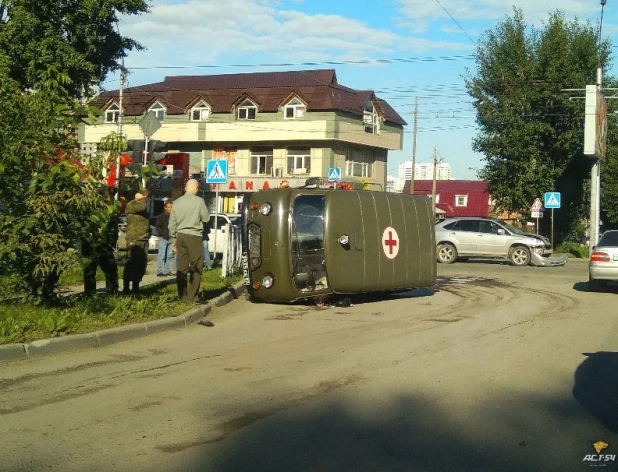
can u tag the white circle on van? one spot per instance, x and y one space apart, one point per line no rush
390 242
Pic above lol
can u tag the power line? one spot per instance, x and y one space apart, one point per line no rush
321 63
456 22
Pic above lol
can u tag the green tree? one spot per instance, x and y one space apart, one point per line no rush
531 130
51 53
79 37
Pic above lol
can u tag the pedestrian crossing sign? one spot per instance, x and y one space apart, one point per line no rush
216 171
334 174
552 199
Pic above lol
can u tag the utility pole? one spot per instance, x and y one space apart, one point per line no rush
595 173
120 92
433 184
414 145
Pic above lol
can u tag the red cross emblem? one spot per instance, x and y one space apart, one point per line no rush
390 242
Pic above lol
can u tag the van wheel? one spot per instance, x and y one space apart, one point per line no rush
447 254
519 256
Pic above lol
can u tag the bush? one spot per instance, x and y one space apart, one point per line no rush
574 249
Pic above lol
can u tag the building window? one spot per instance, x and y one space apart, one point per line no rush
159 111
247 110
359 163
371 120
112 114
261 161
461 200
437 197
294 109
299 160
200 112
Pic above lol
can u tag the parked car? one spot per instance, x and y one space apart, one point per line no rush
465 237
222 221
603 265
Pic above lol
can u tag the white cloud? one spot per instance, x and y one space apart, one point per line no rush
201 32
426 11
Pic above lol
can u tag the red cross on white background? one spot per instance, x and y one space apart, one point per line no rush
390 242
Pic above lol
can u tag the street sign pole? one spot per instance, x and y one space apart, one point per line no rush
537 225
552 230
144 158
214 256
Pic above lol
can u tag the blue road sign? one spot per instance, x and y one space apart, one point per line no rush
216 171
334 174
552 200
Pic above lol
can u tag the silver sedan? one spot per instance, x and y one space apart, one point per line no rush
603 266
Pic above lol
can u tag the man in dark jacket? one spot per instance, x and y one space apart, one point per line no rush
166 260
98 251
138 234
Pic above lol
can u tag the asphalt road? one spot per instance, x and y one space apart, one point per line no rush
499 368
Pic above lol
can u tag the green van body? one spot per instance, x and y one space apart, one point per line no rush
317 242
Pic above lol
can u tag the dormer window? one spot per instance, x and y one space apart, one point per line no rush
200 112
159 111
112 114
246 110
371 120
294 109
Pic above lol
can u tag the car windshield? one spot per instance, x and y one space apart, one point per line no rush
512 228
609 238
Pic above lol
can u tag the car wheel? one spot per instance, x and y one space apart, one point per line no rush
447 254
519 256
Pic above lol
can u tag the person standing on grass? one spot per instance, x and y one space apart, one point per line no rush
186 226
166 259
205 239
98 251
138 234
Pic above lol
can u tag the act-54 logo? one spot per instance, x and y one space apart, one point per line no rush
598 459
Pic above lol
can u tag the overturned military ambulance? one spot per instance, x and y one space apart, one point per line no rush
308 243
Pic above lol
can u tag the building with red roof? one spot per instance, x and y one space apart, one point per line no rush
269 126
456 197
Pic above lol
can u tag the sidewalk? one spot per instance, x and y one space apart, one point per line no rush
76 342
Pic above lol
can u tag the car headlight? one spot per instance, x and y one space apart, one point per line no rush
265 208
268 281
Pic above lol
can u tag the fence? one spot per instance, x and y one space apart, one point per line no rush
232 250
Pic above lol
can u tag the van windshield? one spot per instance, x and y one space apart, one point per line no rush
309 267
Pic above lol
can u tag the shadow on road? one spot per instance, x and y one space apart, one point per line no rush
596 387
610 287
404 433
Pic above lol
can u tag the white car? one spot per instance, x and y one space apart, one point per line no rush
219 230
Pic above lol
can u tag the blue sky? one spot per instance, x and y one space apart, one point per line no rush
406 48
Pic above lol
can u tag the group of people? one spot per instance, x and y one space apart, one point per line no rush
183 230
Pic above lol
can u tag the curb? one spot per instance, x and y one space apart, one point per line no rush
106 337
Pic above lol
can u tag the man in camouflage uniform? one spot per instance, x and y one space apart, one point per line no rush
99 251
137 236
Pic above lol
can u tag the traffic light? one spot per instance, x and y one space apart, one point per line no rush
156 150
136 149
